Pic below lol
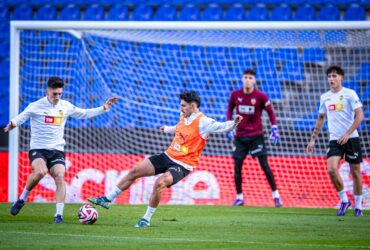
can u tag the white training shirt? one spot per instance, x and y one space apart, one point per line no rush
48 121
339 108
206 126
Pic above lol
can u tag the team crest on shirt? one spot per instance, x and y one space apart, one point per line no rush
341 98
253 101
61 113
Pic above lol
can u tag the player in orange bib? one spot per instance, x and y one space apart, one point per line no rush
191 134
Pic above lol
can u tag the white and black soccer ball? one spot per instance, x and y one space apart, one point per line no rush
88 214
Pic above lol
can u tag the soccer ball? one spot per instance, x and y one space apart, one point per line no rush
88 214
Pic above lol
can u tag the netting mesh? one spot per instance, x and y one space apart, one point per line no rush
148 69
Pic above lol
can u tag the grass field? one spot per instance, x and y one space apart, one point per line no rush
185 227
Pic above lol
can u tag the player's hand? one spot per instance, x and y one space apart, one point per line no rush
230 135
110 102
310 146
274 137
9 127
344 139
237 119
162 129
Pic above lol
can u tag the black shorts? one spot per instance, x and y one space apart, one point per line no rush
254 145
164 164
51 157
351 150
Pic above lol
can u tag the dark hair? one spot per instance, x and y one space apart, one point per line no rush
335 69
190 96
249 72
55 82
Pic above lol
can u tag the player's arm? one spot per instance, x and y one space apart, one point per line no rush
274 137
316 131
90 113
230 108
19 119
356 123
208 125
168 129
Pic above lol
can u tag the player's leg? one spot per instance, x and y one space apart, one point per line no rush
39 170
240 151
143 168
58 173
173 175
258 149
262 159
160 184
334 155
354 158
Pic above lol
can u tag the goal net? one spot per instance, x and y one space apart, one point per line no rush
147 68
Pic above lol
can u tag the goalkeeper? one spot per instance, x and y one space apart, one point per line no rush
181 157
48 118
249 103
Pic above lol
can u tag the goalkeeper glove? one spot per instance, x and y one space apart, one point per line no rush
230 135
274 137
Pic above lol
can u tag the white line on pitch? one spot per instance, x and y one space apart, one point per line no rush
172 239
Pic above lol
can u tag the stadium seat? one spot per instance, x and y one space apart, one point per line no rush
305 13
142 13
273 89
292 72
40 2
118 12
363 73
335 36
4 50
263 55
15 2
235 13
281 13
366 97
328 13
354 86
212 13
46 13
4 13
94 13
314 55
166 13
310 36
354 13
5 67
22 12
258 13
286 55
266 71
70 12
189 13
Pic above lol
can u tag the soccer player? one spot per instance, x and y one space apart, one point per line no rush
48 117
249 102
340 105
181 157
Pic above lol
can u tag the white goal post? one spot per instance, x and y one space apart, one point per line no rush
110 30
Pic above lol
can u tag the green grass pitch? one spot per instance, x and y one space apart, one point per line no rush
185 227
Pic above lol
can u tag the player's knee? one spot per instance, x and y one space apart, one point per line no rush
134 173
39 175
332 172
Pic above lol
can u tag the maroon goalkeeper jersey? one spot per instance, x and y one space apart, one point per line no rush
250 106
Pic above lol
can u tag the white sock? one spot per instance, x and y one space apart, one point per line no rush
113 194
24 194
149 213
343 196
60 208
275 194
358 201
240 196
